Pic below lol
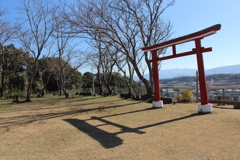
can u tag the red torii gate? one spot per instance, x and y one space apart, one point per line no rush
204 107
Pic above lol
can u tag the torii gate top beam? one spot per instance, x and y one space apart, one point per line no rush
197 35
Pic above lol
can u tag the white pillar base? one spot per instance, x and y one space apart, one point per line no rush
207 108
157 104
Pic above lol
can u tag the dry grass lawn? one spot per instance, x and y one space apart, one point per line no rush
110 128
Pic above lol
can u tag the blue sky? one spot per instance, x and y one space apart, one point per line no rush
188 16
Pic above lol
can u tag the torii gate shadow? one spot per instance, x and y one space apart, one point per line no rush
110 140
107 140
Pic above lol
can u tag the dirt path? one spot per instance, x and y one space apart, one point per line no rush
110 128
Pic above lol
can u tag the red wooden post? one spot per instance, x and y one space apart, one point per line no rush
201 73
174 50
156 76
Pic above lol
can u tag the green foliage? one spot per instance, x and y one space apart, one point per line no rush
217 77
235 76
50 71
52 84
120 81
17 67
185 96
36 87
179 79
17 83
13 70
87 80
74 80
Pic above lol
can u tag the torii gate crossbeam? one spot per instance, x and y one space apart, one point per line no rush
204 107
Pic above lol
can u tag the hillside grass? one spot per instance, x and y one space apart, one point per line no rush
111 128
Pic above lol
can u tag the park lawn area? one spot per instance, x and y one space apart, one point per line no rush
111 128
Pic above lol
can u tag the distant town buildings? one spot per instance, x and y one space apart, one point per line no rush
219 90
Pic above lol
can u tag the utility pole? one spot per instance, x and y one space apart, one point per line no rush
223 94
93 87
197 90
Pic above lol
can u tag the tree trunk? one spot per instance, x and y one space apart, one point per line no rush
99 82
62 81
29 90
61 86
129 84
130 92
43 92
150 70
145 82
66 93
108 88
17 98
45 85
3 84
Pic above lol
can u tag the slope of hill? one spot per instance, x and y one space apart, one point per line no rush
224 70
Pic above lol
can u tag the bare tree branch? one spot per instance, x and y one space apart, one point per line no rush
127 25
35 31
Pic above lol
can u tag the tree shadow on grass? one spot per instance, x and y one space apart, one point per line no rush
57 99
107 140
26 119
110 140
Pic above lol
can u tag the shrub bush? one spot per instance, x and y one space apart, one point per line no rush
185 96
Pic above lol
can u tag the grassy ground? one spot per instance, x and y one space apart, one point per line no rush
111 128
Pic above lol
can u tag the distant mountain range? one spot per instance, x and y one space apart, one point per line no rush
177 72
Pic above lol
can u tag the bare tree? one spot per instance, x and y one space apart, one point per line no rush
35 32
125 66
127 25
95 61
6 30
153 29
7 56
104 64
65 59
66 52
107 65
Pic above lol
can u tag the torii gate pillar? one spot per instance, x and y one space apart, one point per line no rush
204 107
157 103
